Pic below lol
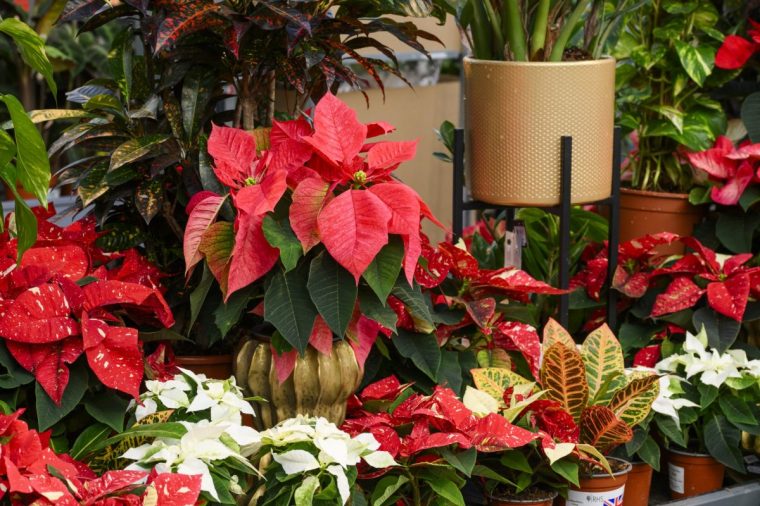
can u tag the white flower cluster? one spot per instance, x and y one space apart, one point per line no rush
219 434
714 368
333 450
193 393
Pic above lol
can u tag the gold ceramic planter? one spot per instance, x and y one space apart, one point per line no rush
515 116
319 386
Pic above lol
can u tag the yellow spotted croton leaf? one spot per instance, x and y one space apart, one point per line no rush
603 359
633 402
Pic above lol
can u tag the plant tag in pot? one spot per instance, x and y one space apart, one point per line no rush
512 249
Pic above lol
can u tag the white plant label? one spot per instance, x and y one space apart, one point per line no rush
609 498
512 250
675 473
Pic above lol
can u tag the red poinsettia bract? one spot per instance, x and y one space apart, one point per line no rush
736 51
48 319
32 473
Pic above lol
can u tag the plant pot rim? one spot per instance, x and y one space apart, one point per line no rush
605 474
689 453
605 60
661 195
550 496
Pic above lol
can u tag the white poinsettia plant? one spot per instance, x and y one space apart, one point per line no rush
708 397
194 397
204 434
313 461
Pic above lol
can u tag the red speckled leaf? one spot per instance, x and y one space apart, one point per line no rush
321 337
67 260
110 483
494 433
38 315
48 363
707 255
734 264
234 154
463 265
642 246
354 228
413 445
633 285
481 311
130 296
681 294
252 255
177 489
52 488
729 297
308 199
114 355
202 216
595 277
714 160
386 389
647 356
187 18
135 268
516 282
525 338
338 135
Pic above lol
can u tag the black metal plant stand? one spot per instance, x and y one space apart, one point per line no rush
460 206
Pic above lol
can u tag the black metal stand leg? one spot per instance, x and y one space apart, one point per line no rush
564 228
614 232
458 190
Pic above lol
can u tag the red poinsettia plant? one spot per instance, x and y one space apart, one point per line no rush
32 473
321 227
68 299
667 295
433 438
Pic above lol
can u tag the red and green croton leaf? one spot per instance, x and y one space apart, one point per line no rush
603 430
563 376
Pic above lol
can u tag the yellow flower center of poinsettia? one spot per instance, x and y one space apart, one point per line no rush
360 176
250 181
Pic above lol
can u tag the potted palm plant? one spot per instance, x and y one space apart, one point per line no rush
536 73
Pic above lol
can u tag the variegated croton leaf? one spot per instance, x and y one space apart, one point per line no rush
563 376
603 359
603 430
633 402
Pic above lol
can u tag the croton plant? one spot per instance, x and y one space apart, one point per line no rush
66 299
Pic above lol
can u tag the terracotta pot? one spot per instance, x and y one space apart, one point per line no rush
643 213
599 488
550 496
213 366
638 485
319 385
693 474
515 116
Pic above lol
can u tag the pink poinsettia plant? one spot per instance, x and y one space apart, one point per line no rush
32 473
67 299
729 169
